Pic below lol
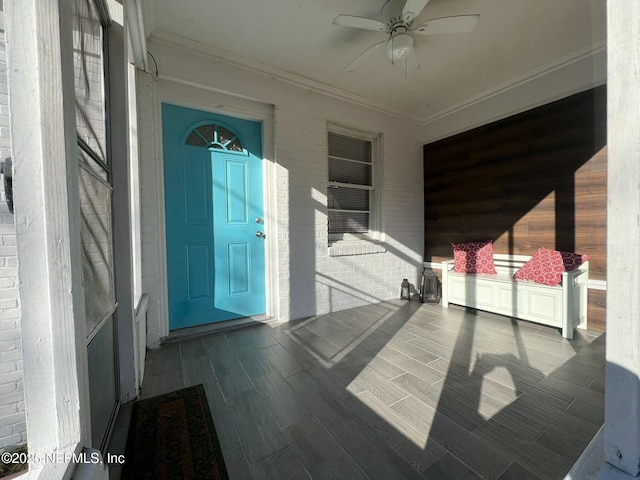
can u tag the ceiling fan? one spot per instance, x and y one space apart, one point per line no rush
396 20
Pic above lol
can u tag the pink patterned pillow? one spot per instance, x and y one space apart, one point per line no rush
547 266
473 257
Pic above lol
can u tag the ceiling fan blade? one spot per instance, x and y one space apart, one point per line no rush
359 22
411 62
356 62
459 24
412 9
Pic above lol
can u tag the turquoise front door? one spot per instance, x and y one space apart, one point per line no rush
214 216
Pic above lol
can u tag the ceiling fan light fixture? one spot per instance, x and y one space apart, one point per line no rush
399 46
396 19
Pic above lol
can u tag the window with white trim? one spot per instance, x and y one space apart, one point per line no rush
352 193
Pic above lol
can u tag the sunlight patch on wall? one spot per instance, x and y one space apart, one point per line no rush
537 225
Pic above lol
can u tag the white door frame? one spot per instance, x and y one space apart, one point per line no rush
210 100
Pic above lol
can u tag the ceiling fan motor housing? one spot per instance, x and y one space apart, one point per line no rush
391 15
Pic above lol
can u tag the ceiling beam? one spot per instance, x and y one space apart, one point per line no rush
134 21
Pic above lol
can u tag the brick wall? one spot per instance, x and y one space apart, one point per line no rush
313 281
150 247
12 416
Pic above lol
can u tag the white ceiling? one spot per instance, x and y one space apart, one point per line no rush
514 39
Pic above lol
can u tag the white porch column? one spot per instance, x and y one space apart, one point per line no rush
622 397
47 218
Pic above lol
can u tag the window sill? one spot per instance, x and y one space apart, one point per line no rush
346 248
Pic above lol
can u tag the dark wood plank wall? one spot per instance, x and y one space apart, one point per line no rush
537 179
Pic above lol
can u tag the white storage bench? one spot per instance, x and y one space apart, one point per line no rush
563 306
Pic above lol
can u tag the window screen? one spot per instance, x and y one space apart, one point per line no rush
350 185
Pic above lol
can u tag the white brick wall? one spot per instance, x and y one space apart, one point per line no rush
310 281
314 281
12 414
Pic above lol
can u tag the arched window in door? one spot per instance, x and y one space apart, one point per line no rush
213 135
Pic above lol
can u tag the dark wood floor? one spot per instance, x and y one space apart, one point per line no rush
394 390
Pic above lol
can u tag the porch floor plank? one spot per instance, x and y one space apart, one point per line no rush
394 390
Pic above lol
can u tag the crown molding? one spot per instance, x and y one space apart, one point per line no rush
170 39
546 69
215 54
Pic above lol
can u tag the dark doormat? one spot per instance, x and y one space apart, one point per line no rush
172 437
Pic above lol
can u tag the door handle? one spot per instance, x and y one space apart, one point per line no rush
260 234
